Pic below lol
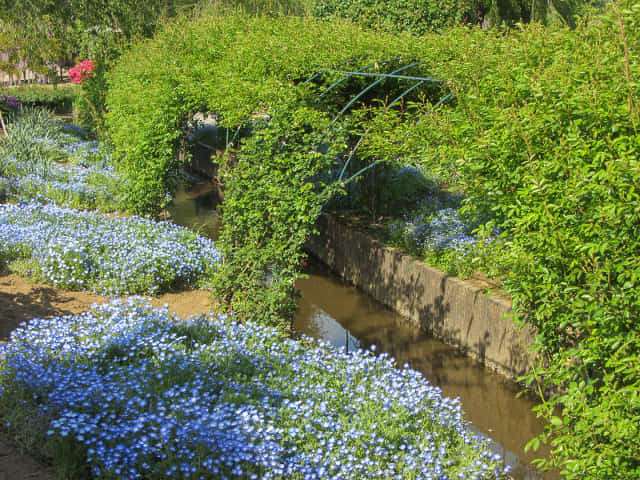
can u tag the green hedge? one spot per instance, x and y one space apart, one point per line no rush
545 135
542 133
58 99
244 69
229 64
415 16
423 16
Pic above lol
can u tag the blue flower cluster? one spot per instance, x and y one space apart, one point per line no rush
85 180
444 229
437 232
148 395
107 255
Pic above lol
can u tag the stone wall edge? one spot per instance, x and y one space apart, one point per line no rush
451 309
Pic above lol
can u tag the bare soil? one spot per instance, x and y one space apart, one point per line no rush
21 301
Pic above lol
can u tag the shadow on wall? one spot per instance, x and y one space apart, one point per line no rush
455 311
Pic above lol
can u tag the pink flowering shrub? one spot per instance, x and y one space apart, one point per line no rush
85 110
81 72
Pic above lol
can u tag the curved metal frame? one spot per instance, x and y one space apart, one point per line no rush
380 77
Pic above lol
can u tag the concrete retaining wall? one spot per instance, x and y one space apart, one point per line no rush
455 311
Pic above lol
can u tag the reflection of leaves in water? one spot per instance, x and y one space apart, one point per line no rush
197 209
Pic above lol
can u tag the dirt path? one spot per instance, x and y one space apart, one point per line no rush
21 301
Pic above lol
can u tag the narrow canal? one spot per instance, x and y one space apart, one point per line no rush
344 316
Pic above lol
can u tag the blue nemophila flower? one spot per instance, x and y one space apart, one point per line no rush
87 179
439 233
147 395
444 229
107 255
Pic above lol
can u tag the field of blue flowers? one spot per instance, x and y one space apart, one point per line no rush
441 232
45 170
110 256
44 160
142 394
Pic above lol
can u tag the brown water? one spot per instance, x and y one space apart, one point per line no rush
196 208
343 315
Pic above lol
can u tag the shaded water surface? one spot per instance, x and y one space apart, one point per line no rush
344 316
196 208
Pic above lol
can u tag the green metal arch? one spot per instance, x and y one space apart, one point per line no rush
379 77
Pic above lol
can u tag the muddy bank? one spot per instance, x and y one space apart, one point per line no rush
21 301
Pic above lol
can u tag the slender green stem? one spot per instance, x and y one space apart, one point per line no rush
4 127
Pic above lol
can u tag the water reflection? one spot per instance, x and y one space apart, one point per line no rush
196 207
317 323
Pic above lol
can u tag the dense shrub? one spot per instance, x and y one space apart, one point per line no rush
422 16
132 392
415 16
99 49
259 7
269 210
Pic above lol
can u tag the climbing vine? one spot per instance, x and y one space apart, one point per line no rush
266 80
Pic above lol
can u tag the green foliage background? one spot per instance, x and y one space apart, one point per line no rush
415 16
423 16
